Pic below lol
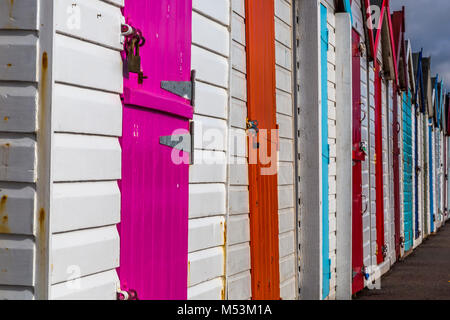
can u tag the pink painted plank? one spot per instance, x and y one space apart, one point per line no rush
154 220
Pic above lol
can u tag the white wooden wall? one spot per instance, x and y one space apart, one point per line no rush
19 74
87 120
208 182
238 240
358 24
286 155
78 82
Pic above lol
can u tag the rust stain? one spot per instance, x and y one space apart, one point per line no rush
9 65
11 7
41 219
4 227
5 118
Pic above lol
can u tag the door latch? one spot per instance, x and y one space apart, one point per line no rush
134 40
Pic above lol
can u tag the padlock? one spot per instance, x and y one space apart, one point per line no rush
133 58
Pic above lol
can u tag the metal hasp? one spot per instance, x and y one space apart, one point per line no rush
184 89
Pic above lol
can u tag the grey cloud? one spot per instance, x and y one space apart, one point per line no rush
428 27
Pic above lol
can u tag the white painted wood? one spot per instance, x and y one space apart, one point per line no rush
17 158
16 293
99 286
211 35
238 7
206 233
209 166
239 57
85 205
18 108
210 67
210 133
210 290
239 286
285 197
283 32
119 3
81 158
310 160
18 15
238 172
218 10
206 200
344 157
287 288
18 57
239 87
287 268
17 256
88 65
210 100
84 252
285 173
17 208
95 21
238 229
81 110
238 29
287 243
286 220
238 200
238 258
205 265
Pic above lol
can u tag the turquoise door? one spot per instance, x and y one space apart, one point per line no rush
407 172
325 152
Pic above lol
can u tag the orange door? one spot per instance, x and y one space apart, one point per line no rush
260 32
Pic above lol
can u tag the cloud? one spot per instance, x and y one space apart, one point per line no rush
426 24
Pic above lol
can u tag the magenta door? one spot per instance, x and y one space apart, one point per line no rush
154 186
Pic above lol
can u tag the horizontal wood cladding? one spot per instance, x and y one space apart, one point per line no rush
86 158
85 205
17 158
19 15
18 56
84 252
92 20
79 110
99 286
17 254
18 107
88 65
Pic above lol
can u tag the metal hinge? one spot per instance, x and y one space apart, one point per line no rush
183 142
184 89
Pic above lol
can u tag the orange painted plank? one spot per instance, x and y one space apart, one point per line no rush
260 33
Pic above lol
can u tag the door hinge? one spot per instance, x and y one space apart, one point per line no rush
184 89
183 142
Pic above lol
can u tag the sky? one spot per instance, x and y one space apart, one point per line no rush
428 27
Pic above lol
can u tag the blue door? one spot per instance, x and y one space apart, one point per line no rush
325 153
407 172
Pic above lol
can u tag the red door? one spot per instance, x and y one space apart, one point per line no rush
379 166
396 169
263 191
358 156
